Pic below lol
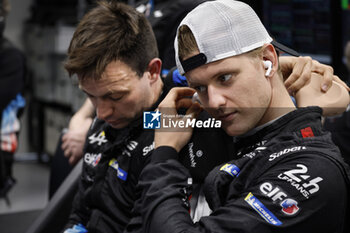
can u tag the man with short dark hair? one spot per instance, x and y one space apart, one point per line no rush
287 176
114 54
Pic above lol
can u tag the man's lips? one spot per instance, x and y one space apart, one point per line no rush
115 122
226 117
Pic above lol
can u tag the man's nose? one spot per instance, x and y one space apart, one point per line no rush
216 100
103 109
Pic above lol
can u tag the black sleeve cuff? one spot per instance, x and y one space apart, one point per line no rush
163 153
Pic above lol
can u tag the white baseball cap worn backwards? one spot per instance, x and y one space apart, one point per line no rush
223 28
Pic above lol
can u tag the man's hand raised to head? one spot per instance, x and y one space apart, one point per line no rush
297 73
177 137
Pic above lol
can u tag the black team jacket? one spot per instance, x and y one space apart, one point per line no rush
289 177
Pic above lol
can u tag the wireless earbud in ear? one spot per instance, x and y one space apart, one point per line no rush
268 66
195 98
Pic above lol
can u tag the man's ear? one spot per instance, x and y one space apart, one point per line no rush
154 68
269 54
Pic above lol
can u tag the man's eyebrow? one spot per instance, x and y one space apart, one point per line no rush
109 93
225 72
220 73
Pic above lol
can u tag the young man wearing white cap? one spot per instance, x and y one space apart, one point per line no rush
288 176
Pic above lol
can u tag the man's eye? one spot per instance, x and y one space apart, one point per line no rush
115 98
225 77
200 88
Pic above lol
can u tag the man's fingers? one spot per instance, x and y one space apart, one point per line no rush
64 145
341 82
182 92
300 75
321 68
175 99
299 83
175 94
73 160
326 72
194 110
184 103
67 152
292 78
177 137
64 137
327 79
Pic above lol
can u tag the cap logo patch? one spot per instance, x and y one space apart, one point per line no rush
307 132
